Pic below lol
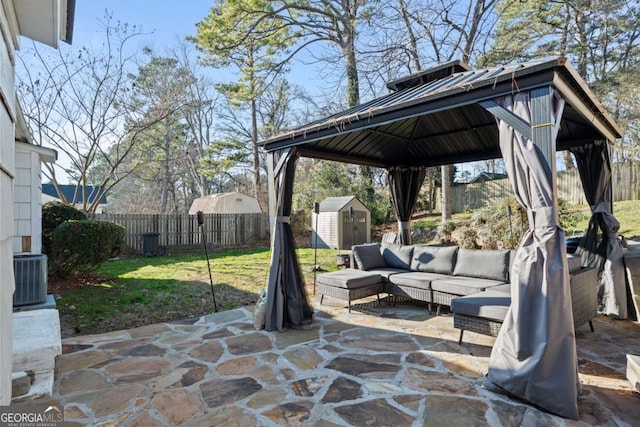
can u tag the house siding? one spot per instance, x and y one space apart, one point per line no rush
27 202
7 172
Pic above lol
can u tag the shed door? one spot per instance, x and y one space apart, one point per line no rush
354 232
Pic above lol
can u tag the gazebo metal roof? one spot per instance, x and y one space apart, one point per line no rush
436 117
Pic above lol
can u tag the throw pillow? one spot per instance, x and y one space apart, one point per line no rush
368 256
434 259
397 256
483 264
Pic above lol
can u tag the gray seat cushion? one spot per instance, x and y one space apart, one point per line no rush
506 288
368 256
397 256
434 259
461 285
484 264
415 279
349 278
488 304
387 271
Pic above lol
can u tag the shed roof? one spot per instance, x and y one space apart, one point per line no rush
335 204
434 120
232 202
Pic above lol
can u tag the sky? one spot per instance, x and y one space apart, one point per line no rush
169 20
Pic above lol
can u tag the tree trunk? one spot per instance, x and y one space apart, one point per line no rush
413 52
446 196
256 153
165 176
568 160
353 87
431 193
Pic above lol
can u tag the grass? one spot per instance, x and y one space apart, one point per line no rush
136 291
130 292
628 214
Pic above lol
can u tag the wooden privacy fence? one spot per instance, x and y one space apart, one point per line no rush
468 197
225 230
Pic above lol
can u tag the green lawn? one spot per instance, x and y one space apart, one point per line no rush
135 291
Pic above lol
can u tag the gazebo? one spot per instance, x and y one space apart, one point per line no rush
449 114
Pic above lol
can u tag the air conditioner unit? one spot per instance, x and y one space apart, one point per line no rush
31 279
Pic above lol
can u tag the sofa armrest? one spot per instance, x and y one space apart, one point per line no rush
584 295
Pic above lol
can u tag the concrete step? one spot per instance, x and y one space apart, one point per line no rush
633 371
36 340
42 386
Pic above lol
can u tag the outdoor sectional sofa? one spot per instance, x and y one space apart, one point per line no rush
476 282
433 274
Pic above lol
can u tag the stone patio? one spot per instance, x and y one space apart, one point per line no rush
377 366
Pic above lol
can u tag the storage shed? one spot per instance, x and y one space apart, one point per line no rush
225 203
341 223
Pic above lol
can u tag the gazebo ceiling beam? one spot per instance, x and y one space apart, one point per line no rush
307 151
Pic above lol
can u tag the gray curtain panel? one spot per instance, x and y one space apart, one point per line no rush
534 356
594 165
405 183
287 303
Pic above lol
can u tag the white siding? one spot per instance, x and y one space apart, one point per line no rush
28 200
7 107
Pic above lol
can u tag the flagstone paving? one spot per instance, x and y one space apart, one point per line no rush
378 366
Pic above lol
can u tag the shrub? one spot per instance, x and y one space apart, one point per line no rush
85 245
54 214
445 230
495 228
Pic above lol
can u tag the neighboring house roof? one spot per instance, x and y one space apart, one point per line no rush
335 204
233 202
488 176
70 190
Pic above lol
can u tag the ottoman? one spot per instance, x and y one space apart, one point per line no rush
483 312
350 284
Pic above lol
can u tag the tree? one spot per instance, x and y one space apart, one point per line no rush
600 37
231 36
77 101
438 31
199 113
162 85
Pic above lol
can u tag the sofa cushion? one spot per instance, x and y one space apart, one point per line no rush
488 304
385 272
368 256
506 288
415 279
397 256
434 259
462 285
485 264
349 278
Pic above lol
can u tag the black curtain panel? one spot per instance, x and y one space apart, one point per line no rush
405 183
287 303
600 246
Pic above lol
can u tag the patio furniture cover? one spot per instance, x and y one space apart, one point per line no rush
534 356
287 304
405 183
594 165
